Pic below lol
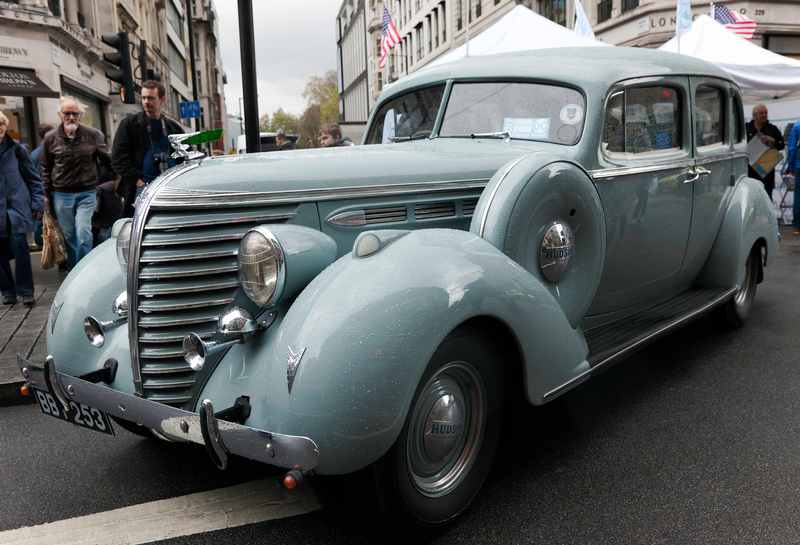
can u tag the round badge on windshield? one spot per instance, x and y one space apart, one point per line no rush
555 256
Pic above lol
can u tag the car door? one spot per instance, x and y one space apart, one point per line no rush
712 184
646 154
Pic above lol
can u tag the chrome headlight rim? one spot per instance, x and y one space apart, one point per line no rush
280 266
124 244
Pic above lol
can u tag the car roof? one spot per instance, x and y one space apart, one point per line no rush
583 67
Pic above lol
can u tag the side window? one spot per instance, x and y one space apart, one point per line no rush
709 116
642 120
738 125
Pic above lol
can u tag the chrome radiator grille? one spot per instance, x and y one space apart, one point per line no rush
186 278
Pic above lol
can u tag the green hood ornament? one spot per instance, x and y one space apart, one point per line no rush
181 143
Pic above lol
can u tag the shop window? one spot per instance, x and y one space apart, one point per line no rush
91 106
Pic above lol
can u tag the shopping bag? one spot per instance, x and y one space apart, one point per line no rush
54 252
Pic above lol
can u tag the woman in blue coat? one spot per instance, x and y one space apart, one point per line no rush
21 204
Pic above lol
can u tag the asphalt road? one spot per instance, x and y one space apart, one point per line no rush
691 440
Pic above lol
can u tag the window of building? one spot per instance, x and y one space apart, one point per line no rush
176 62
55 7
420 41
604 10
196 45
430 34
175 104
459 15
628 5
380 81
477 7
709 115
199 75
444 22
174 17
788 46
642 120
419 4
555 10
435 29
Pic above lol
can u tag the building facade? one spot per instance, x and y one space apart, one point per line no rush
431 28
48 49
209 76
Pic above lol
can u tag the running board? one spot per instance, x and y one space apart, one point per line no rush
614 341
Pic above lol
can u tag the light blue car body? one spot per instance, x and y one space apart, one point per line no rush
369 325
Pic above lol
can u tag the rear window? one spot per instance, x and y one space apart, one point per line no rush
528 111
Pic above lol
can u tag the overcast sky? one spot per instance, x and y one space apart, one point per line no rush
294 41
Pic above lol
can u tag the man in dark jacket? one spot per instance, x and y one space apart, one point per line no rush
284 143
21 202
771 136
141 147
70 153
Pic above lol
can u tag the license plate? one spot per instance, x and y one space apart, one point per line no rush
78 414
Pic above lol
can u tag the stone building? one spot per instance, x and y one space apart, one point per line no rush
209 75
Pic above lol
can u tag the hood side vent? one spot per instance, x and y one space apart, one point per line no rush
468 206
434 210
385 215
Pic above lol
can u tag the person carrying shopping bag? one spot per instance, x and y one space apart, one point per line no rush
21 204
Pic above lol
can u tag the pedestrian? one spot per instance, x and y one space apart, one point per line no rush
284 143
36 154
330 136
21 203
793 166
141 147
771 136
70 153
106 212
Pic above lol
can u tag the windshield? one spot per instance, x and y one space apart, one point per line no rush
407 117
527 111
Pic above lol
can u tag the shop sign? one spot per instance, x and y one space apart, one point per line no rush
8 52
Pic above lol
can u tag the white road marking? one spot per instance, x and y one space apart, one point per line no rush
229 507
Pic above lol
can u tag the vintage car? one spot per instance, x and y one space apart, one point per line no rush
513 225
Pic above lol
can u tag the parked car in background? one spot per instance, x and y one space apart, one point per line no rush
267 141
515 224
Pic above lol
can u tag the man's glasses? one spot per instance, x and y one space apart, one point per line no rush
70 114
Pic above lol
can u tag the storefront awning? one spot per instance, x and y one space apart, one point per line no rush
16 82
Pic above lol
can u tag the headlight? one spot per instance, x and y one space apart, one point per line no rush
261 266
124 244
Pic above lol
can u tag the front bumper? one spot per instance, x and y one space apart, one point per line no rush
219 437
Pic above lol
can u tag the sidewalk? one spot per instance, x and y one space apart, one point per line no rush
22 330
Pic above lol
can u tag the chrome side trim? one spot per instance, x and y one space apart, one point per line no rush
189 198
137 231
494 191
205 223
720 158
626 171
288 451
671 326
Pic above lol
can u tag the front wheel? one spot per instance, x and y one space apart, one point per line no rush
446 446
735 312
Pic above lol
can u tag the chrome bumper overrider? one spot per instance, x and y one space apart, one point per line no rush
286 451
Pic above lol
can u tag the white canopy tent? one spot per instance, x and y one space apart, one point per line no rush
761 74
518 30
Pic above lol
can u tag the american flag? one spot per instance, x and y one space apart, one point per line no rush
735 22
389 36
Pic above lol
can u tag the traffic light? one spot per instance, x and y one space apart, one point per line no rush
146 73
124 76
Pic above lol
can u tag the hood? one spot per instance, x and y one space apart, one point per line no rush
346 167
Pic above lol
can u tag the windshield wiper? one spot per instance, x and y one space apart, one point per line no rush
407 138
482 135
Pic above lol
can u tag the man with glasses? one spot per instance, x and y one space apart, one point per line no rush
69 159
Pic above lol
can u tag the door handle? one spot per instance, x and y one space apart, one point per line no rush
696 175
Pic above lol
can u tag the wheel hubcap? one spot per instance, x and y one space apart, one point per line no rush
446 429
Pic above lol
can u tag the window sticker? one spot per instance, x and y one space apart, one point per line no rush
520 127
571 114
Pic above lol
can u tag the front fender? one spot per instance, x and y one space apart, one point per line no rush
89 290
750 217
367 328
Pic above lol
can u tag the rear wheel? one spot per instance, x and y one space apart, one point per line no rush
447 443
734 312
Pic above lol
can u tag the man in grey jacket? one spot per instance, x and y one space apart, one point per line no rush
69 171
